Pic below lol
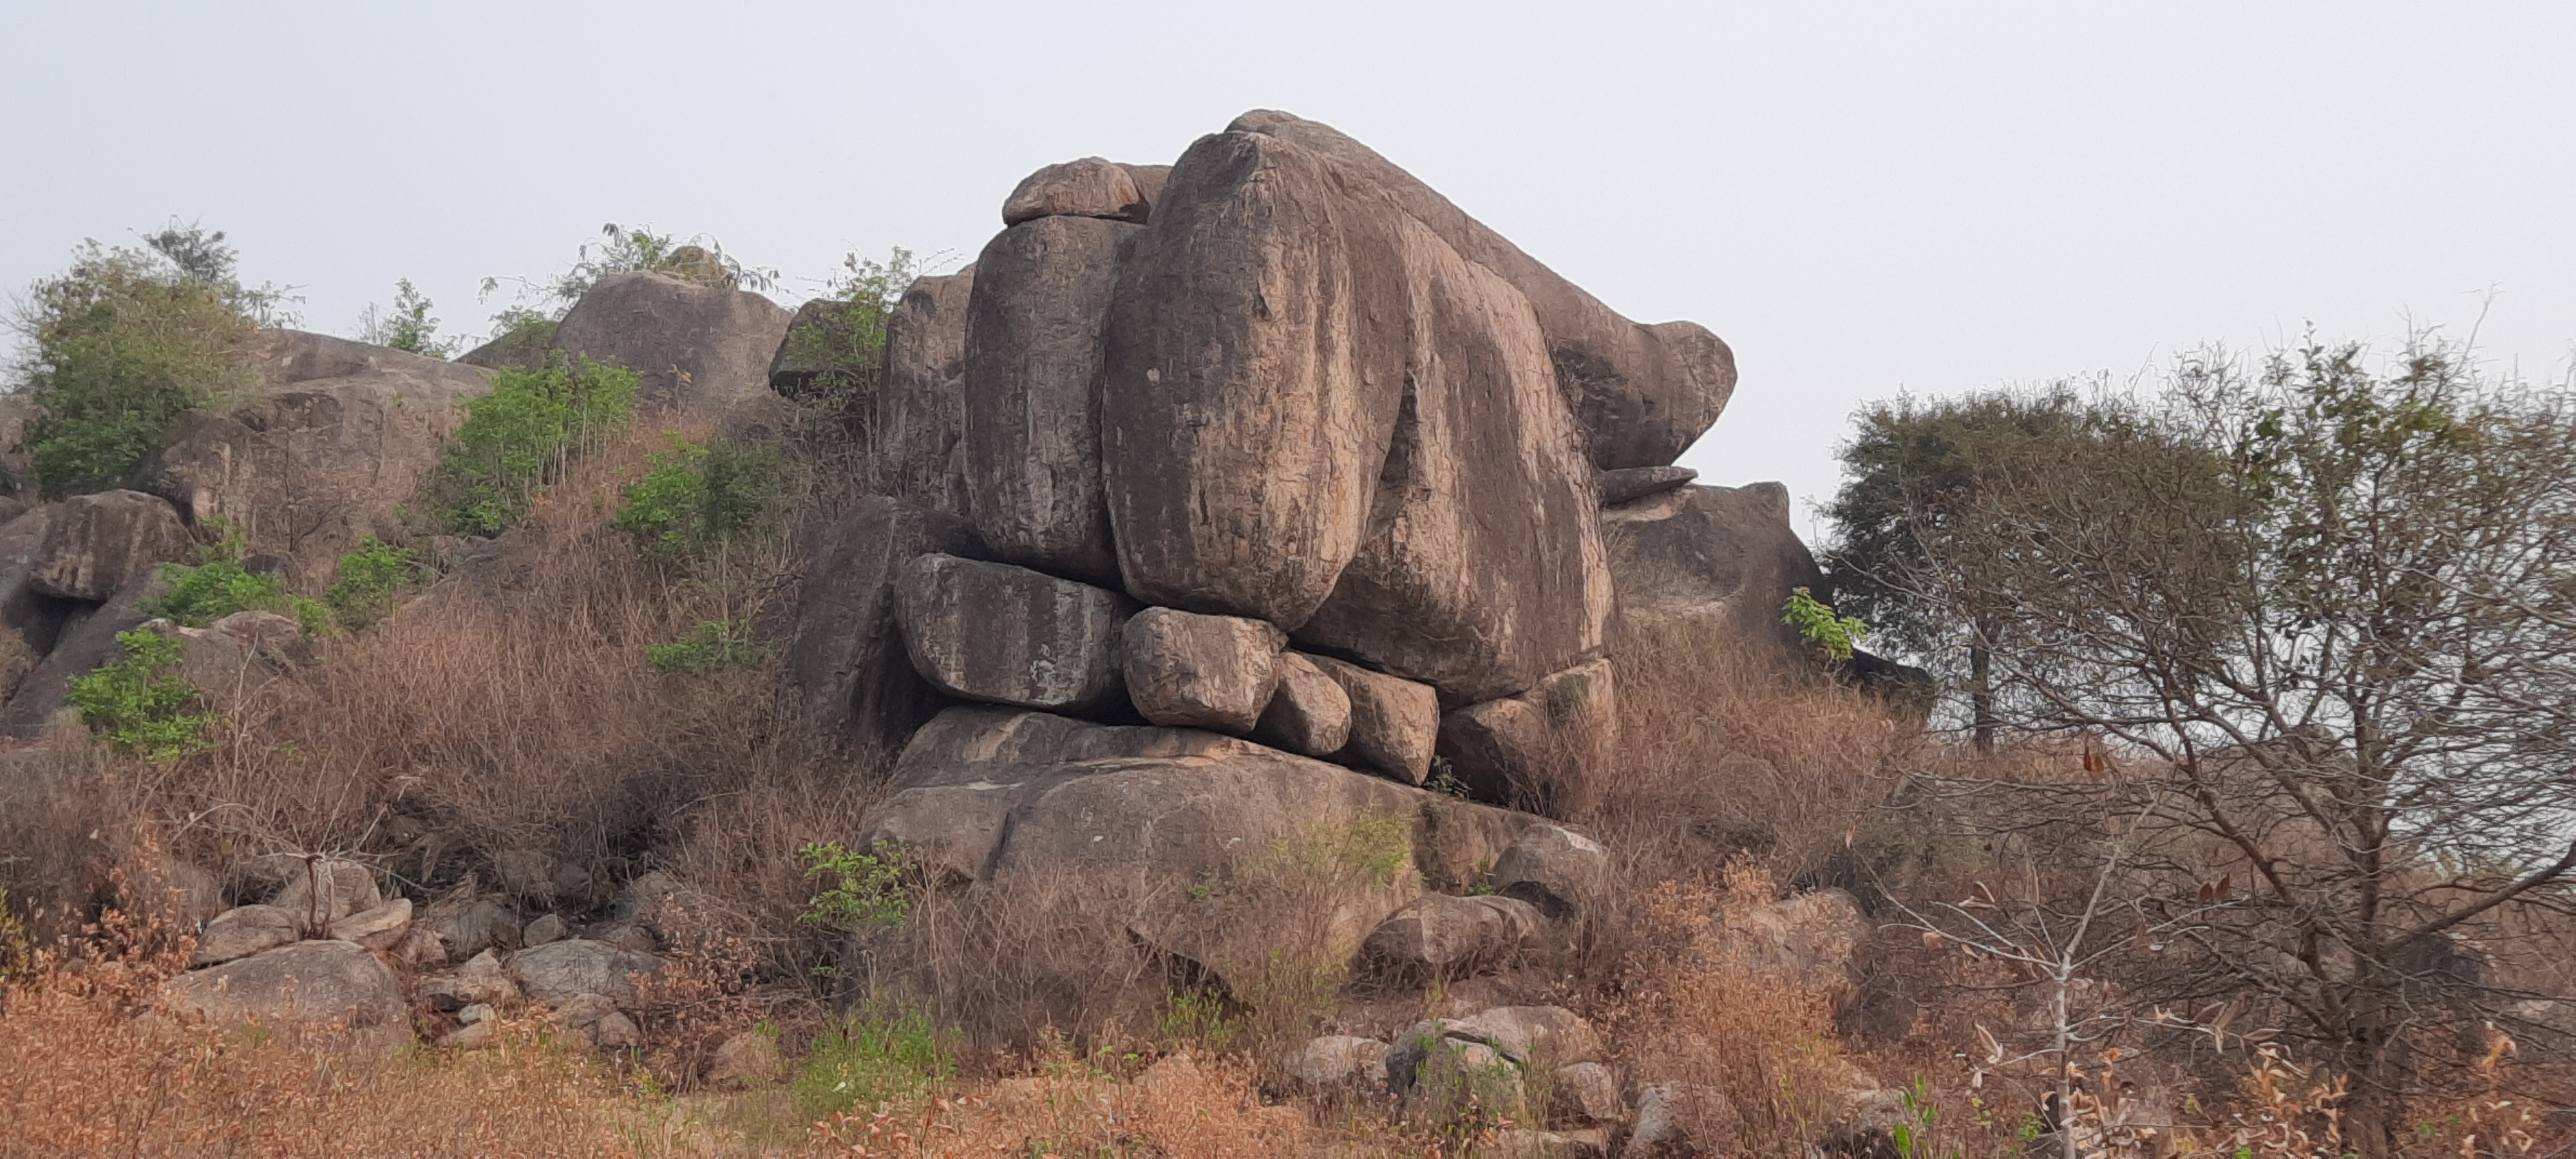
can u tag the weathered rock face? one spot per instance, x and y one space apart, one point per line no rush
327 451
920 418
309 986
1303 400
1640 393
87 640
1008 635
1630 484
1192 671
1090 187
29 620
96 544
847 660
1439 936
1543 748
697 346
1032 405
1720 555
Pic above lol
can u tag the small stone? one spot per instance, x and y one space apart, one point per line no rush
475 1013
629 937
242 932
557 971
550 928
1186 670
1340 1060
346 886
1554 868
584 1009
1584 1094
616 1032
1527 1035
1629 484
473 1036
480 981
377 928
1090 187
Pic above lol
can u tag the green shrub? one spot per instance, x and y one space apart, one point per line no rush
520 436
699 499
1816 623
712 646
140 704
363 591
866 890
878 1055
218 585
407 326
842 354
120 346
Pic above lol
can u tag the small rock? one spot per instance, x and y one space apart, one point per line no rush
1584 1094
1548 1035
1395 722
474 1036
242 932
584 1009
475 927
475 1013
526 874
346 888
1541 749
550 928
1658 1130
748 1059
420 946
558 971
480 981
642 899
616 1032
632 938
1308 714
1340 1060
1554 868
376 928
1187 670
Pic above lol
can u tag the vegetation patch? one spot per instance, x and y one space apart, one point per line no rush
140 704
522 436
700 499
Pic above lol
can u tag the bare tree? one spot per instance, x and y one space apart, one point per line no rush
2325 615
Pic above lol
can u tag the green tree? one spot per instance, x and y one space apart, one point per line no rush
521 436
407 326
121 345
1911 468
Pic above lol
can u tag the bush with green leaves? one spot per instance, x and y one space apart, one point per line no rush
407 326
837 360
363 592
140 704
866 890
217 585
122 344
1832 635
521 436
712 646
878 1055
698 500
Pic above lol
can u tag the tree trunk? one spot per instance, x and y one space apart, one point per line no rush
1981 696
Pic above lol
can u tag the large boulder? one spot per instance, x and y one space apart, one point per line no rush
1395 722
96 544
847 659
1089 187
698 347
325 451
1546 749
1553 868
333 989
86 641
1723 556
1192 671
918 434
1444 937
30 621
1008 635
1641 393
1303 394
1032 402
1309 712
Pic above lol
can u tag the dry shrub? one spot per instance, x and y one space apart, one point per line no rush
1750 1052
1726 751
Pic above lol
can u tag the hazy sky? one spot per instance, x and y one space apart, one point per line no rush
1861 198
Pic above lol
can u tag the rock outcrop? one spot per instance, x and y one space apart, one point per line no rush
1720 556
697 346
96 544
918 435
1008 635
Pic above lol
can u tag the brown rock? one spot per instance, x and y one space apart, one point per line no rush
1641 394
920 419
1309 714
1008 635
332 989
86 640
1723 556
97 544
1554 868
698 347
378 927
748 1059
1340 1061
1032 402
1186 670
1090 187
481 981
847 659
1534 1035
1583 1094
1395 722
320 892
29 620
560 971
1444 937
242 932
1544 749
1629 484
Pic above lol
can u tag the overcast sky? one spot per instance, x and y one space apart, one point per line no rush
1861 198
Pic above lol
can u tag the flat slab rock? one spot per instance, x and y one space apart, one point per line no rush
331 988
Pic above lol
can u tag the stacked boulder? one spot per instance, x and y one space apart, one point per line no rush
1274 443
